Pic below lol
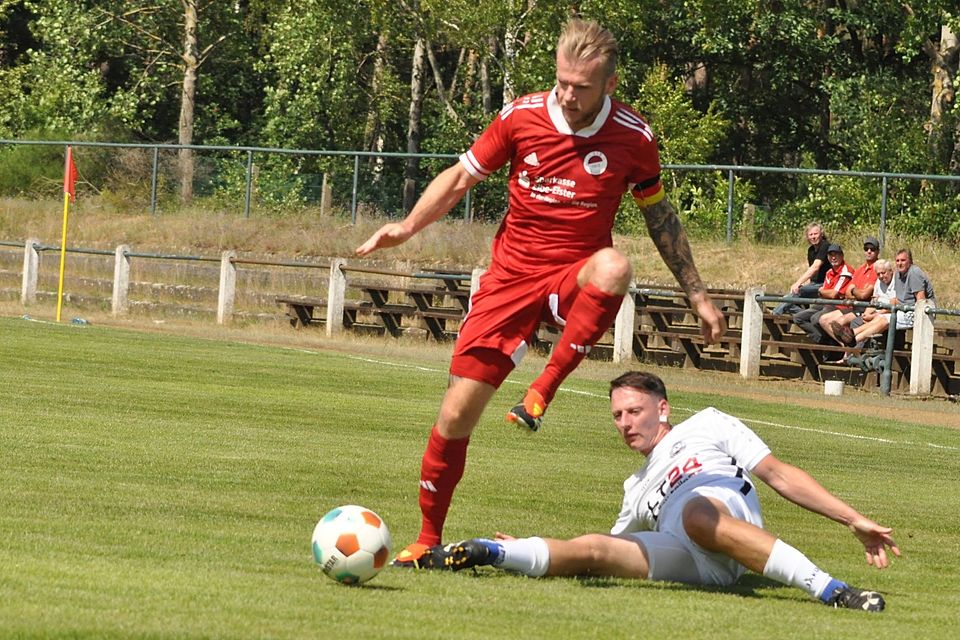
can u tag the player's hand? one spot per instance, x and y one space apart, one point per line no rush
712 323
875 541
502 536
794 289
389 235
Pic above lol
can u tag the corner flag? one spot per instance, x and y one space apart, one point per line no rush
69 195
70 176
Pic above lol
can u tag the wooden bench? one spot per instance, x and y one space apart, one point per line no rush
426 306
666 331
389 308
303 311
426 295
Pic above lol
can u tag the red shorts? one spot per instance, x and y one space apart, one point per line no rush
504 313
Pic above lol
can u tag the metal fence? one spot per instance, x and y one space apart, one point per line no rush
381 174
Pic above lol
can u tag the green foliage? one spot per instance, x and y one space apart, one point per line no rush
878 126
315 50
71 98
31 168
838 203
790 83
101 64
685 136
878 123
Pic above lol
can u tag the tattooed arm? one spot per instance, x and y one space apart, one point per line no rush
671 240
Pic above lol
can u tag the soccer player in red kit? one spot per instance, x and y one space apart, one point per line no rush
573 152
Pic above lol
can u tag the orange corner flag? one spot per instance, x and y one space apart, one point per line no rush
70 176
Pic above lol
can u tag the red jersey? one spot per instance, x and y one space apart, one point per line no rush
839 279
864 276
564 187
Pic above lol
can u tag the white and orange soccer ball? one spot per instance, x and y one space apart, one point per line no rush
351 544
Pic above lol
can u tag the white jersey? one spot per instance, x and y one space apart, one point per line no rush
710 447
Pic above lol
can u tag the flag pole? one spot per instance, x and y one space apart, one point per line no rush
69 174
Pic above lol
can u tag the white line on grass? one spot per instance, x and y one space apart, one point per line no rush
837 434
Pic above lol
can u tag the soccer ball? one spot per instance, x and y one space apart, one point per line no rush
351 544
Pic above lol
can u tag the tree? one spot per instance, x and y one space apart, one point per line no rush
155 27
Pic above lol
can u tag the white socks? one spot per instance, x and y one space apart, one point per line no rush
529 556
789 566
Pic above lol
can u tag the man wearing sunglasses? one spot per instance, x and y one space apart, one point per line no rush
861 289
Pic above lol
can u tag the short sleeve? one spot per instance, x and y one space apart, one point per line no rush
646 186
492 149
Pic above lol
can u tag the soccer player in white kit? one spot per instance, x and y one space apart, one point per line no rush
691 513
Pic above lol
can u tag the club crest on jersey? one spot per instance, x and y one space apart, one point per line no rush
595 163
677 448
532 160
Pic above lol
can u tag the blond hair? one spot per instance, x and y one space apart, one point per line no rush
584 40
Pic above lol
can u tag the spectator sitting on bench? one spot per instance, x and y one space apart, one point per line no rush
835 284
910 284
808 284
874 320
861 290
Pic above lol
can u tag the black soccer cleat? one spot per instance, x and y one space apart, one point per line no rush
529 412
846 597
457 556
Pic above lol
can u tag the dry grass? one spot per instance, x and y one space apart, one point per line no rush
451 243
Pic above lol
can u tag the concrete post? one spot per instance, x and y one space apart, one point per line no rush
624 327
228 287
475 282
921 354
326 195
31 271
751 334
121 280
336 293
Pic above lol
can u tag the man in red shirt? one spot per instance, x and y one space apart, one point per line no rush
861 289
836 282
573 152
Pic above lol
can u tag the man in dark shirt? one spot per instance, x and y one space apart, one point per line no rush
809 283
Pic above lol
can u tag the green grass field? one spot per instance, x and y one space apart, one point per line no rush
165 486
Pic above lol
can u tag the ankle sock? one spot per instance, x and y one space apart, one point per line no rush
529 556
787 565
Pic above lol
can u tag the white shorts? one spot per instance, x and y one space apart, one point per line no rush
674 557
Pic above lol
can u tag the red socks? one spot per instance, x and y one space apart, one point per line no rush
440 471
592 313
444 460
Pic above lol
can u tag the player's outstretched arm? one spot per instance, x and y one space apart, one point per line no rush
441 195
668 235
799 487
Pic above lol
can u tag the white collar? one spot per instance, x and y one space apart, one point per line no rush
561 124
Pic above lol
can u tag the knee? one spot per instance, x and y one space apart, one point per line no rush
612 270
458 416
594 548
452 416
700 521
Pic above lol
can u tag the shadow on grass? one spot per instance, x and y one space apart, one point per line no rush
745 586
366 586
